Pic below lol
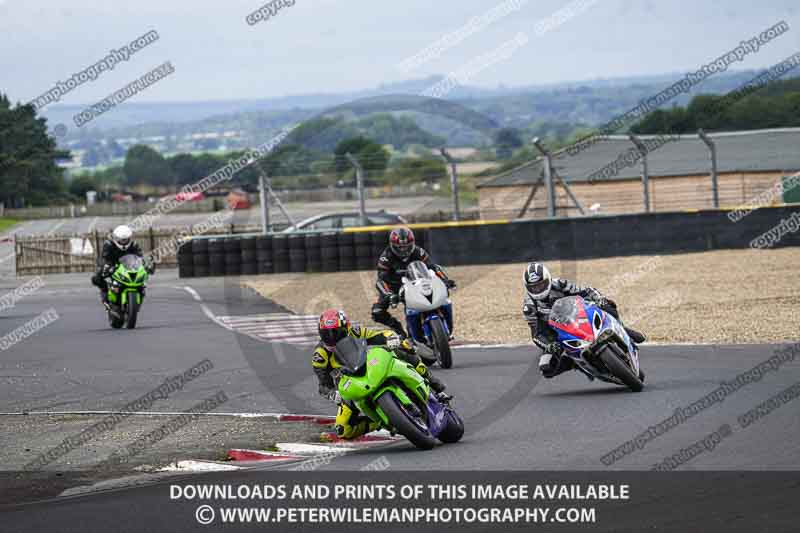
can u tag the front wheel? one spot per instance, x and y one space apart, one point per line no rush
611 359
441 344
133 311
408 421
454 429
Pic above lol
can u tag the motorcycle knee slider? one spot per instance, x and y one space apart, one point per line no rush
635 335
552 366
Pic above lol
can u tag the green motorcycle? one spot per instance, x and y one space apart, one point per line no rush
126 291
392 393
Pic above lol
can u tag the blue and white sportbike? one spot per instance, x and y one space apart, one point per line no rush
429 312
596 342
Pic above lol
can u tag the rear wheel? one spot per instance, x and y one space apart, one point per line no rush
408 421
454 429
133 311
441 344
613 361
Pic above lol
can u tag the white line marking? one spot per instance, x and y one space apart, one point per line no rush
289 340
288 331
279 356
198 466
272 324
56 227
301 448
277 317
193 292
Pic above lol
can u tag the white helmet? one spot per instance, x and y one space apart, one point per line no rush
537 281
122 236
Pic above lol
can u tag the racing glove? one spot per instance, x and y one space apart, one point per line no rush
450 284
550 360
107 270
394 299
554 348
393 342
330 393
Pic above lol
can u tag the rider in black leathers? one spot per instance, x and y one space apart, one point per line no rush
392 264
121 243
542 291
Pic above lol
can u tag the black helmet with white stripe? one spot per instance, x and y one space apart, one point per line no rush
537 281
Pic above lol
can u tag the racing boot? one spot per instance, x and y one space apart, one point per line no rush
351 425
636 336
435 383
104 299
552 365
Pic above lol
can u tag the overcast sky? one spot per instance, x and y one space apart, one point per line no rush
342 45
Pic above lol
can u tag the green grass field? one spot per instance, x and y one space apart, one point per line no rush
6 224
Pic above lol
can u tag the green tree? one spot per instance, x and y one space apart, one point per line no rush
507 140
776 105
80 185
415 170
372 156
28 170
144 165
183 168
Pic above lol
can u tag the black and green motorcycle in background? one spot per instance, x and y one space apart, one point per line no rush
126 291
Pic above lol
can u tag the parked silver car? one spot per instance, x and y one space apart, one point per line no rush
336 221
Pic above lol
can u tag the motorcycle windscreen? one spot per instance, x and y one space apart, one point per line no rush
131 262
352 355
569 314
417 270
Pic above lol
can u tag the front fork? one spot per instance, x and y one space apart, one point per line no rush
418 324
444 312
128 293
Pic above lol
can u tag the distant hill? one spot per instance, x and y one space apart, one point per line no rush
558 108
777 105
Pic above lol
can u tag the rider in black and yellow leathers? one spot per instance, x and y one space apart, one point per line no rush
334 326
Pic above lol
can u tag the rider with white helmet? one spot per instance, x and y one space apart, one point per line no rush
120 243
541 292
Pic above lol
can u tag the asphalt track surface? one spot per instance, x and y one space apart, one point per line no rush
515 421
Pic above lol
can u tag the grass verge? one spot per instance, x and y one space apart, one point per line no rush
7 223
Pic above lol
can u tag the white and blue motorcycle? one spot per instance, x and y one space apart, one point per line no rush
429 312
